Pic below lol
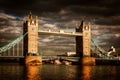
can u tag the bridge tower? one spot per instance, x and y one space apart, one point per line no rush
31 40
83 42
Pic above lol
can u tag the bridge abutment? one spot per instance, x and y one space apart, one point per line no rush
87 61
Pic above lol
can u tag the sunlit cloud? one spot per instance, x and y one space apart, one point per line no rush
6 16
117 35
53 26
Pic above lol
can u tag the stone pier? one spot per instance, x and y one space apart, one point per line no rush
87 61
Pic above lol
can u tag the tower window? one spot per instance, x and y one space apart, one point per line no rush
86 27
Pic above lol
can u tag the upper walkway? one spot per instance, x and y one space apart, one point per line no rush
59 33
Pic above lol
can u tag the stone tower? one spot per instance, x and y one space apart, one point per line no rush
31 40
83 42
79 40
86 40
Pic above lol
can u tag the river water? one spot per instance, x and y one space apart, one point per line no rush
15 71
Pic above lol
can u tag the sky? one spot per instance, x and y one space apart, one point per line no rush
103 15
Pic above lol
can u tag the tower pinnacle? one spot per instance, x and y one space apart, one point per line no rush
30 16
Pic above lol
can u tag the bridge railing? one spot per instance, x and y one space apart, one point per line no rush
57 31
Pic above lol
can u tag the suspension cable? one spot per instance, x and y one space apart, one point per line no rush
13 43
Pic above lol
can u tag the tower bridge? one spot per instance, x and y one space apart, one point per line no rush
29 46
82 35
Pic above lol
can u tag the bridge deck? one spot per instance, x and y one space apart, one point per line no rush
69 34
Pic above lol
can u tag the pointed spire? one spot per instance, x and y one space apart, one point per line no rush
82 22
30 16
36 19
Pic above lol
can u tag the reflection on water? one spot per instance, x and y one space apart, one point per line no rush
11 72
86 73
33 72
58 72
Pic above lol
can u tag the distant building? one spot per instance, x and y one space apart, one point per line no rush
71 53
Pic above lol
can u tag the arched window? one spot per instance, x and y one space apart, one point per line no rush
86 28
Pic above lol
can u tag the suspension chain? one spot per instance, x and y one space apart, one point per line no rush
12 44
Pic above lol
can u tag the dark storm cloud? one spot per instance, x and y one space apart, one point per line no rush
38 6
74 9
113 20
10 28
15 6
9 23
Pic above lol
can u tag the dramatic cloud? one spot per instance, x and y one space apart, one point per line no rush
104 16
10 28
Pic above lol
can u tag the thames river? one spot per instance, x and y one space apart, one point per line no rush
15 71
